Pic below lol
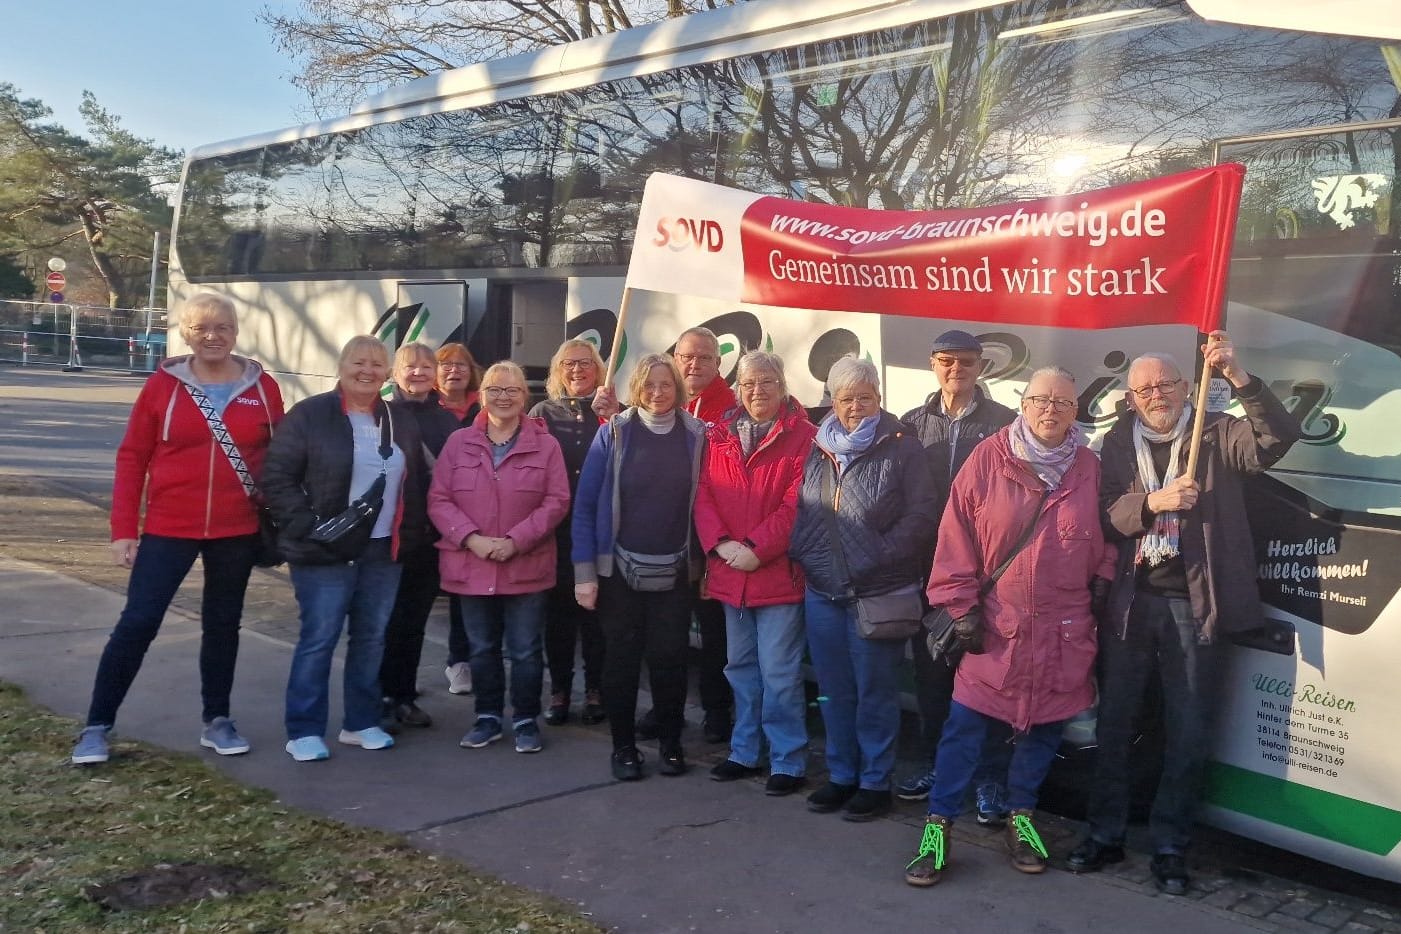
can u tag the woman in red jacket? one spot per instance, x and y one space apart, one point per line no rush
499 489
745 508
197 504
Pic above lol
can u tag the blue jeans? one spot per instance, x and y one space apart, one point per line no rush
961 747
519 621
160 566
363 591
765 672
857 677
1160 641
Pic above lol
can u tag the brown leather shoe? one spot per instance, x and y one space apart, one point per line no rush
558 710
927 868
1024 843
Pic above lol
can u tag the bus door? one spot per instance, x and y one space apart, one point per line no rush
525 323
433 311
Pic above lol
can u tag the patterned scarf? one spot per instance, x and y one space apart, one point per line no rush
1050 464
1163 539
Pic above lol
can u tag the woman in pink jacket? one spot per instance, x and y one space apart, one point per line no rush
745 509
1030 640
499 489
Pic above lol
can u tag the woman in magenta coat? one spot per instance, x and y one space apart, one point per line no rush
499 489
745 509
1031 639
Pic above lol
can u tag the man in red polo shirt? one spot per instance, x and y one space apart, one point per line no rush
697 356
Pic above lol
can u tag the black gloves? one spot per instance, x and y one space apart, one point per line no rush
968 630
1099 598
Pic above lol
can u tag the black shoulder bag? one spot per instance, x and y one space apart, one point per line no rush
346 535
942 640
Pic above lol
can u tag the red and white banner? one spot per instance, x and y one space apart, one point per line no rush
1150 252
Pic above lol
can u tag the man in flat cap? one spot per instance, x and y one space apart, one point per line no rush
949 424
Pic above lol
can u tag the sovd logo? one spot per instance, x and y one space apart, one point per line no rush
681 233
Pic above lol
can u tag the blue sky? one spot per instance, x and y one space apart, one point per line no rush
181 72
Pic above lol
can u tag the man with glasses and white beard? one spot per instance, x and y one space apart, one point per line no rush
1186 579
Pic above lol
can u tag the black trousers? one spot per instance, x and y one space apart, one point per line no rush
637 626
403 636
567 623
715 693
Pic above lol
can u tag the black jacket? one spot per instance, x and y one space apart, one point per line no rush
435 423
886 517
306 477
934 430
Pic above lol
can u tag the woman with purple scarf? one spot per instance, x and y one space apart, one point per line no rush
1030 639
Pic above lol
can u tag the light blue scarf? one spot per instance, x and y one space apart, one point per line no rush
845 446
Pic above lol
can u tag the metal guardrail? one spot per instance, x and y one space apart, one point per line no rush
79 336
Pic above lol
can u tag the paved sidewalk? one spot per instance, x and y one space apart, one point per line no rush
662 855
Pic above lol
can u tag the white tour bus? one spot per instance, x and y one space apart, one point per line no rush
495 204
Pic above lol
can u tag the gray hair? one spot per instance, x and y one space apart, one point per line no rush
763 361
851 371
705 333
211 303
1059 372
1164 358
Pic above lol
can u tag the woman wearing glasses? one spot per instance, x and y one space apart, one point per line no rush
745 508
633 555
865 527
499 489
575 373
459 393
1030 639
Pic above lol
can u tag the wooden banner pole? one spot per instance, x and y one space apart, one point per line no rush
613 361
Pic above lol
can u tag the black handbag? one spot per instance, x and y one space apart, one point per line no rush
346 535
942 639
887 616
268 554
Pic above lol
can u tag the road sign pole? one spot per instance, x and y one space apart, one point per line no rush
75 359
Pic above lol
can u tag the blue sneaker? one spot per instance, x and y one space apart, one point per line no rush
308 749
369 738
916 787
92 746
527 736
486 731
992 805
221 735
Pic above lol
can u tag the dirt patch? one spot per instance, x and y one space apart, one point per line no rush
166 884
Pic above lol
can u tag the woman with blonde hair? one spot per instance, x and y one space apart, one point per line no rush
575 372
199 503
634 556
498 492
345 479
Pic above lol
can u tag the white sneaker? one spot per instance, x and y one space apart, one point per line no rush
459 678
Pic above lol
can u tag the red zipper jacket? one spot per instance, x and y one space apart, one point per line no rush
191 489
715 400
754 500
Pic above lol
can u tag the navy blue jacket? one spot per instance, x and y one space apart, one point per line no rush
934 430
886 517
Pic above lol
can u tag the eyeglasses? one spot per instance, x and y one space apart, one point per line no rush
1042 403
948 362
510 392
1165 387
454 365
758 385
862 401
695 358
223 330
576 364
